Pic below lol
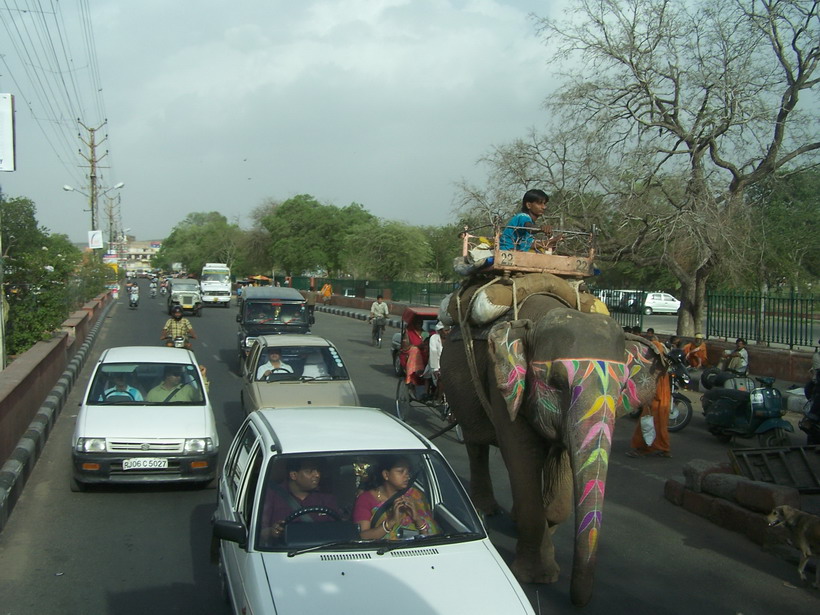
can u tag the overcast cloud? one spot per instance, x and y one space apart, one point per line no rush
222 105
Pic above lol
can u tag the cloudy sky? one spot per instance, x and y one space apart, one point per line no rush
215 105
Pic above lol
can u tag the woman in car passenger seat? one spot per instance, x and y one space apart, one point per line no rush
407 512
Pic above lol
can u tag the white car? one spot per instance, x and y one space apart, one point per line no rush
315 374
146 417
324 566
660 303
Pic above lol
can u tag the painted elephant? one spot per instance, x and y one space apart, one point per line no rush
553 383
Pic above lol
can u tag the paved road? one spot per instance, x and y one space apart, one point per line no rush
145 550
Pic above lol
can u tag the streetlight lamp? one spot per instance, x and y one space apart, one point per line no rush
92 199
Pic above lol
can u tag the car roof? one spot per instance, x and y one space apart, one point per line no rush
337 429
293 340
147 354
272 292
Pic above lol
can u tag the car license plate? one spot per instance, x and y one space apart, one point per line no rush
187 306
215 300
145 463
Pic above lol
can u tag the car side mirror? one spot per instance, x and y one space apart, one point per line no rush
232 531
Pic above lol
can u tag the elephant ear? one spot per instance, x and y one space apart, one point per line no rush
508 354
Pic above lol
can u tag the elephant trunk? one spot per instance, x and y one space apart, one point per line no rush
595 388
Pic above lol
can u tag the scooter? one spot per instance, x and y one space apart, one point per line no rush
735 407
133 300
153 292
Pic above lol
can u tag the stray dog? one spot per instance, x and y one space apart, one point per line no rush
804 531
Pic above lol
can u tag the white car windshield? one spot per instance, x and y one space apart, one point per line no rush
146 384
343 491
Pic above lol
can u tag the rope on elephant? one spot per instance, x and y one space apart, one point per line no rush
469 350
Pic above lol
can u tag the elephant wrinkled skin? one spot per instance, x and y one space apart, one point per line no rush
555 380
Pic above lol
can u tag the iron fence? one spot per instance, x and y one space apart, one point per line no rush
784 318
790 319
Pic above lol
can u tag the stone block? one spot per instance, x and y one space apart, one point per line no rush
696 469
763 497
722 485
731 516
698 503
673 490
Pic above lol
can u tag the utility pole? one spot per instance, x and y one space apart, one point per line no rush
93 164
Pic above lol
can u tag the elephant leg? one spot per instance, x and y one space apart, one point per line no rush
524 455
481 483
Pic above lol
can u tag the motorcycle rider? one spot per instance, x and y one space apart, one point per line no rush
177 326
134 296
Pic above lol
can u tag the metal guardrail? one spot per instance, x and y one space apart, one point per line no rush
788 319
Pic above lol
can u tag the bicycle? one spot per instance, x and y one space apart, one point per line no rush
407 398
377 332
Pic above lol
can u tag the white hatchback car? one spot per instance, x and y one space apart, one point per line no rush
313 560
145 417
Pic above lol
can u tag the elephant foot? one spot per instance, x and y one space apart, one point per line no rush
487 506
530 573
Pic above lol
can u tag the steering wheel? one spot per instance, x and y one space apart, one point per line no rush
322 510
117 393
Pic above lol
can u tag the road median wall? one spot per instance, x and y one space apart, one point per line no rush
33 391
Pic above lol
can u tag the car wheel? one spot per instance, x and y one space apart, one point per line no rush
76 486
647 311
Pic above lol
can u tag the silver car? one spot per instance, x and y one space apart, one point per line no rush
308 371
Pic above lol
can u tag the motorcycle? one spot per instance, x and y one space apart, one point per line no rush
133 300
735 407
180 341
680 409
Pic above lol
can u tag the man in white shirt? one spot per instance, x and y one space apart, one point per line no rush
273 366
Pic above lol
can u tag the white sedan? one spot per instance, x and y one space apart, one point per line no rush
314 560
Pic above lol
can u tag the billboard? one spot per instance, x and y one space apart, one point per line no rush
6 132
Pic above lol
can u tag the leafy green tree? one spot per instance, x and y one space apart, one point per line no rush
388 250
786 246
201 238
43 279
445 245
306 235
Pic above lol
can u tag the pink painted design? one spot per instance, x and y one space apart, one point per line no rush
596 423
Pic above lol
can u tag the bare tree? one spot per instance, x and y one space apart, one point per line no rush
669 111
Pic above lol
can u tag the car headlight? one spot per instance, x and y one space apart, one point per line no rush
249 341
197 446
90 445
